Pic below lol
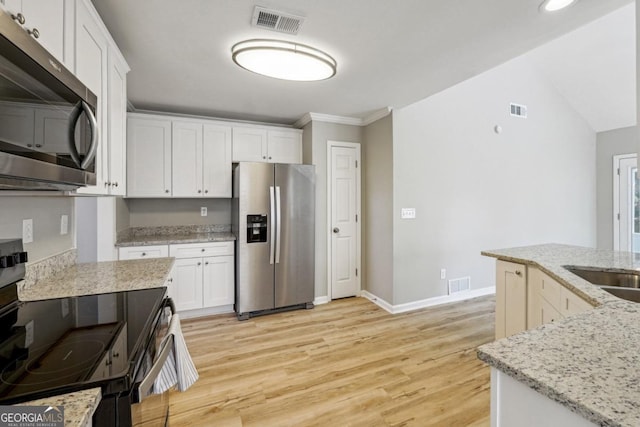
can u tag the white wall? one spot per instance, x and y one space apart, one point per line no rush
377 208
609 144
45 212
474 189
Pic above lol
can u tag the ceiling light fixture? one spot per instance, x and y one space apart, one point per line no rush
284 60
555 5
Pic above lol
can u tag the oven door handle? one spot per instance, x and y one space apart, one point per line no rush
145 386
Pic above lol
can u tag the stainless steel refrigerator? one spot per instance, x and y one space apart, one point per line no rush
273 218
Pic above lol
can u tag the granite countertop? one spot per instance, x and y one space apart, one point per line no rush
100 278
586 362
78 406
147 236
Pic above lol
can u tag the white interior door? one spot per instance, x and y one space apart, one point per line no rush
626 207
344 200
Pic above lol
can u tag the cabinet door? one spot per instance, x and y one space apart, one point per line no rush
117 117
148 157
187 159
216 161
187 283
572 303
142 252
249 145
91 55
511 299
284 147
548 313
47 18
218 285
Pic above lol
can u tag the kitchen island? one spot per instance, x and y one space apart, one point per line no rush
583 368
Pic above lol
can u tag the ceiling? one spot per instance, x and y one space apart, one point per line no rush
389 53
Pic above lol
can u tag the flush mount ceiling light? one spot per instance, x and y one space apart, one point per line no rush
555 5
284 60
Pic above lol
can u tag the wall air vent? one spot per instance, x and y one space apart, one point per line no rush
276 21
518 110
461 284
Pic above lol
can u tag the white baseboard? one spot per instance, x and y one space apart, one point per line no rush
201 312
429 302
321 300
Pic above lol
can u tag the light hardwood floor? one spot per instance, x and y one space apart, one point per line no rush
346 363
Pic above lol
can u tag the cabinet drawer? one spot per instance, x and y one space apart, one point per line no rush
194 250
140 252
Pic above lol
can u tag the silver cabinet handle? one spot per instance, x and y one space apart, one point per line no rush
206 191
115 184
199 191
518 273
199 263
29 145
202 250
38 145
166 191
336 230
35 33
206 263
144 254
19 18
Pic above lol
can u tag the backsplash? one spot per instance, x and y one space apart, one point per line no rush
172 230
46 267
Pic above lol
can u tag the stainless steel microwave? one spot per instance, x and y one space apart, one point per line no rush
48 130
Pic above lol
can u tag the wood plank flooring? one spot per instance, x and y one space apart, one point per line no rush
346 363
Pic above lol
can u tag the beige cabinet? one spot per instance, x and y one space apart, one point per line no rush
203 275
148 156
256 144
201 159
549 301
511 298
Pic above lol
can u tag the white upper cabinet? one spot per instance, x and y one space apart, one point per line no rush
216 164
187 159
101 67
148 156
91 54
44 20
117 118
284 146
251 144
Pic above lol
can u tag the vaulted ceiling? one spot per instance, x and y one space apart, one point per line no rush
389 53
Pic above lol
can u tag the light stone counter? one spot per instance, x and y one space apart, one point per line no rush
100 278
587 362
79 406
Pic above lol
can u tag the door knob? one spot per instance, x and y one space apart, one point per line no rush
336 230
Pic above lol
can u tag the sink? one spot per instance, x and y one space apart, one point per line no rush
625 285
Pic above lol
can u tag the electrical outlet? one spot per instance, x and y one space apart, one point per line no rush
64 224
27 230
203 211
443 273
408 213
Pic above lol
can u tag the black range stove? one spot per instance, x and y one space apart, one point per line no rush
57 346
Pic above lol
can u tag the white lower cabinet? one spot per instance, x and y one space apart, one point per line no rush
203 275
202 280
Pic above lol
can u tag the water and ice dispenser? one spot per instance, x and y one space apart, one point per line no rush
256 228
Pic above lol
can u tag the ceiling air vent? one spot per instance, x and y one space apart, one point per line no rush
519 110
276 21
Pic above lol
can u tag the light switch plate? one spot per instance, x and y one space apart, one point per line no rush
27 230
203 211
408 213
64 224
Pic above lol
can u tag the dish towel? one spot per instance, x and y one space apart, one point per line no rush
178 369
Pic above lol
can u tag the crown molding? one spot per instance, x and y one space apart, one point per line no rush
342 120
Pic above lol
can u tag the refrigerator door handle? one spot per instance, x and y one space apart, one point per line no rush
272 247
278 225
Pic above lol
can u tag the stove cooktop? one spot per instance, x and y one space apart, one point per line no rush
56 346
